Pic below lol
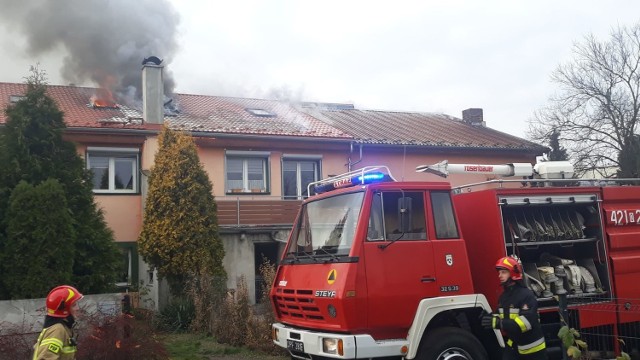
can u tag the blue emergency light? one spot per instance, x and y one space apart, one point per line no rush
343 181
369 178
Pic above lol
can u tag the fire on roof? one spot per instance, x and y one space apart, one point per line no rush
103 98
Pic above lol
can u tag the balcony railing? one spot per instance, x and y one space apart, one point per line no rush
235 211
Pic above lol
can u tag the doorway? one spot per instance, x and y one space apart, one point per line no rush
262 251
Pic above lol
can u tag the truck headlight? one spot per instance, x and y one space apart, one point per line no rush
332 346
275 332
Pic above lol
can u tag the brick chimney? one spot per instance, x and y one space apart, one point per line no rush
152 93
473 117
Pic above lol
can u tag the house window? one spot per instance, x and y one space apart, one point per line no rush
15 98
261 112
124 270
246 173
297 174
114 170
128 269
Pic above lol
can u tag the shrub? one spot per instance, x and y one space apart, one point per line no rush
230 326
259 322
121 337
207 294
177 316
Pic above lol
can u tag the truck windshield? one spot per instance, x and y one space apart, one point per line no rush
325 228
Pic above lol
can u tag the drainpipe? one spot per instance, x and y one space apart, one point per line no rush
350 164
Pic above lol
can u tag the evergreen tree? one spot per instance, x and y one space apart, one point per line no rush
32 150
38 253
179 235
557 152
629 158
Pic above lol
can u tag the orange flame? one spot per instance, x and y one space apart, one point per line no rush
103 98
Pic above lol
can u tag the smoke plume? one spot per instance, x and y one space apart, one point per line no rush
104 41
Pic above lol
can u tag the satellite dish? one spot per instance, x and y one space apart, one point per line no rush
151 59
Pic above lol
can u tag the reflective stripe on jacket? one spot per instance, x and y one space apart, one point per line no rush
55 343
518 309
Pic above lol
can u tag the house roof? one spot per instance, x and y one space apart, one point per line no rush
199 113
232 115
226 115
419 129
74 102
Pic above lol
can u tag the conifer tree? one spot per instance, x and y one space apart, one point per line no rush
32 150
557 153
179 236
39 253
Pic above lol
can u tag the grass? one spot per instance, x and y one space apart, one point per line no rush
186 346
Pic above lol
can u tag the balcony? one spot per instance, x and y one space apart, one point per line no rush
258 211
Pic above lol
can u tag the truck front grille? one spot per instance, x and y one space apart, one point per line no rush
297 304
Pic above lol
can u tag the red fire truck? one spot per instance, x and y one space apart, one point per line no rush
376 268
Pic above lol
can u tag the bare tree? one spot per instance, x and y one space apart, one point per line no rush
596 108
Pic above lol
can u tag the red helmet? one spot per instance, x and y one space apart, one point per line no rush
60 300
512 265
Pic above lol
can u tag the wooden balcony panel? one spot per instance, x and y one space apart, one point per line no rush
233 212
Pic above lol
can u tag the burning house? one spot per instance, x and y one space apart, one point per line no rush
260 156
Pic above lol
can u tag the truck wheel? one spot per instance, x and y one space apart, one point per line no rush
451 343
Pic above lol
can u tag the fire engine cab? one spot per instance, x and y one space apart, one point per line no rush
376 268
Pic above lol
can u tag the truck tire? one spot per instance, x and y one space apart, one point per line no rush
451 343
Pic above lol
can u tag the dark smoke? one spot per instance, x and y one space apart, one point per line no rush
105 41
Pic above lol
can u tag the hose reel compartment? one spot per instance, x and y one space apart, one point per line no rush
559 240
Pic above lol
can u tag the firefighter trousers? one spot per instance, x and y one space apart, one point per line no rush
510 353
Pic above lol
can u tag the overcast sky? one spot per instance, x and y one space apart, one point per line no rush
430 56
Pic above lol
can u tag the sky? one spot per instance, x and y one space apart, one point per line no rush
426 56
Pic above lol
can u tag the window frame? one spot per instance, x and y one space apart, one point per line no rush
317 164
112 153
130 251
245 156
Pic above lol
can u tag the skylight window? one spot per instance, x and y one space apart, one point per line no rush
261 112
15 98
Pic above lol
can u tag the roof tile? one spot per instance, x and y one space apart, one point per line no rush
424 129
215 114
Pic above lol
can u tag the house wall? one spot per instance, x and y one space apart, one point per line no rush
149 151
403 165
239 245
213 161
124 213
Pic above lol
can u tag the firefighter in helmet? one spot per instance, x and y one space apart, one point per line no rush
517 316
57 341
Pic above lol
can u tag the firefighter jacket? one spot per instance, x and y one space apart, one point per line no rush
55 342
518 314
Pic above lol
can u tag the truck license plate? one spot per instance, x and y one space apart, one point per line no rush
295 345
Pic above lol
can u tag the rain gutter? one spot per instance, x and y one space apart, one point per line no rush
445 147
209 134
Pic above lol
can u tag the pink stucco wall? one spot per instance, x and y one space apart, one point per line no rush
403 166
212 160
123 214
